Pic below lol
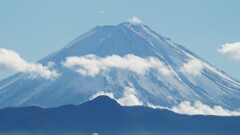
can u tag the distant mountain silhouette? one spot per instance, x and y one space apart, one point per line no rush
105 116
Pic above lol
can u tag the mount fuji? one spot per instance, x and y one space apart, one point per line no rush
129 62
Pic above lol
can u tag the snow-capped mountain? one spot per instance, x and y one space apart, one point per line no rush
129 62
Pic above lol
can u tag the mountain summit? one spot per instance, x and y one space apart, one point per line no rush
128 62
122 39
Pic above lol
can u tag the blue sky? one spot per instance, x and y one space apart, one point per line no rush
35 29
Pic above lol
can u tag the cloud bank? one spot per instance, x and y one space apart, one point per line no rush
200 108
193 67
135 20
92 65
232 50
129 97
11 61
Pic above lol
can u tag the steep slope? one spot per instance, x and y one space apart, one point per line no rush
105 116
209 85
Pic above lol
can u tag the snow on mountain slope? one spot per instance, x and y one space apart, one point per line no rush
111 53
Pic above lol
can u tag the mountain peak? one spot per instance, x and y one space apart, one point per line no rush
102 103
104 100
133 26
122 39
128 24
121 26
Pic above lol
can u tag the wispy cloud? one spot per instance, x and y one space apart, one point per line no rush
11 61
129 97
200 108
101 12
231 50
193 67
135 20
92 65
102 93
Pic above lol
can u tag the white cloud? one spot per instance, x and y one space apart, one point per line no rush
232 50
11 61
91 65
193 67
102 93
135 20
200 108
101 12
129 97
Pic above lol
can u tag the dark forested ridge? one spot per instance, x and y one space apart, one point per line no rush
105 116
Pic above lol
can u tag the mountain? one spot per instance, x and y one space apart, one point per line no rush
158 72
104 115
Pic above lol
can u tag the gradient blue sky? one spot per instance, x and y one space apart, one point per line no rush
36 28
